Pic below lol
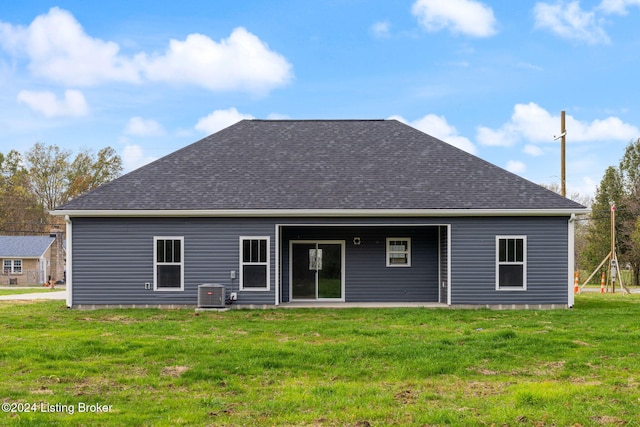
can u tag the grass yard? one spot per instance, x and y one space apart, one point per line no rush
20 291
356 367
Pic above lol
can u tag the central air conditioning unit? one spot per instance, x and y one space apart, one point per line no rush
211 296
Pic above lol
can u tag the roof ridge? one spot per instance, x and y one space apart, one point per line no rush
318 120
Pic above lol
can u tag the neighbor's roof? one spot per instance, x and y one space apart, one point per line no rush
319 165
24 246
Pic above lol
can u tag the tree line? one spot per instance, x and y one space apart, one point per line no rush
619 187
44 177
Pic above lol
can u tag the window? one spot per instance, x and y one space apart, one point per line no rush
254 263
12 266
168 274
398 252
511 256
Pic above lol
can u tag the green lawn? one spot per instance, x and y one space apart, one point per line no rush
19 291
357 367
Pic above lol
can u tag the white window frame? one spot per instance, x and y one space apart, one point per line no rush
12 263
523 263
266 263
407 252
156 263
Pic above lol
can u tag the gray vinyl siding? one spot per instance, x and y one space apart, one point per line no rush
113 259
473 260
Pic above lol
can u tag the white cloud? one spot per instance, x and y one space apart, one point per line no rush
438 127
58 49
137 126
611 128
617 6
468 17
587 187
532 123
241 62
381 29
515 166
570 21
533 150
503 137
220 119
47 103
133 158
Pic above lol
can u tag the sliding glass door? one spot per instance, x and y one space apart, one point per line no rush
317 270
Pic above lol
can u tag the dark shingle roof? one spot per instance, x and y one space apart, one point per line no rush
319 164
24 246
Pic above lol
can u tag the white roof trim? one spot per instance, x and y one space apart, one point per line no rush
321 212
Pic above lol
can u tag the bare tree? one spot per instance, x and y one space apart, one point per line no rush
55 179
47 166
20 211
89 171
45 178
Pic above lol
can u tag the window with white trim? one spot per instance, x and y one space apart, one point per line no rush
254 263
398 252
511 262
168 264
12 266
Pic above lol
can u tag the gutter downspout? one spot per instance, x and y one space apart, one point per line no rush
571 259
69 265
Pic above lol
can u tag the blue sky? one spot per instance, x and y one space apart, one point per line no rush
490 77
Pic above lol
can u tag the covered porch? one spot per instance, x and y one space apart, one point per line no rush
367 265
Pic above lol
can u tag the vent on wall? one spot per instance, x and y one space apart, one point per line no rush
211 296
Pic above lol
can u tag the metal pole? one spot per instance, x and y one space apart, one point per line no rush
563 177
613 248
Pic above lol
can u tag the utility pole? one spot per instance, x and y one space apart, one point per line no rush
563 142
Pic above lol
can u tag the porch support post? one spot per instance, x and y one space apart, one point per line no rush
449 290
276 285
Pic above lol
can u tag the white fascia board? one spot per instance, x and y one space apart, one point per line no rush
320 212
30 257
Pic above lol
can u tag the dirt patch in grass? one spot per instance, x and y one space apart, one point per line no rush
550 368
483 371
608 420
42 390
17 302
481 388
407 397
125 320
173 371
95 386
